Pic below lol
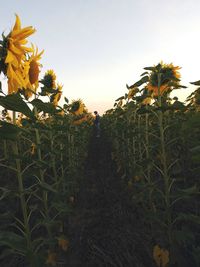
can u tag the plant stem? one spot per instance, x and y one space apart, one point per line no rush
44 193
164 161
23 202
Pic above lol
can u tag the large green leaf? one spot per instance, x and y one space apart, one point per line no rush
42 106
16 103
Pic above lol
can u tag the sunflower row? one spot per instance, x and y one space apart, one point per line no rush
43 150
155 142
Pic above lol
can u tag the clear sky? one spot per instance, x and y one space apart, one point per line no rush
95 47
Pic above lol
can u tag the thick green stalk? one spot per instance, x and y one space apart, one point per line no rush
139 138
5 149
164 161
53 159
61 159
147 145
44 193
23 203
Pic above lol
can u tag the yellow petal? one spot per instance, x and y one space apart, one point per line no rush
10 58
17 25
157 255
14 48
164 257
23 34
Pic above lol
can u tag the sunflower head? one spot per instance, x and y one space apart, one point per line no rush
147 101
77 107
33 72
55 98
163 77
132 92
34 69
63 243
51 258
13 57
49 79
16 40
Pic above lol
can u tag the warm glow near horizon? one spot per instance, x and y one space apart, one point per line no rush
96 47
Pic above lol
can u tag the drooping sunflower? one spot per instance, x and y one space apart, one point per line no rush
56 97
15 56
31 70
77 107
49 79
169 78
132 92
34 69
147 101
16 40
63 243
15 79
80 120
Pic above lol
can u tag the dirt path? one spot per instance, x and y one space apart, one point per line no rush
104 226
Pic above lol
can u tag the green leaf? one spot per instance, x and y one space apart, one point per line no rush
188 218
4 192
190 191
184 237
177 105
181 86
66 100
42 106
140 82
120 98
9 131
47 187
195 149
13 241
16 103
144 73
149 68
196 83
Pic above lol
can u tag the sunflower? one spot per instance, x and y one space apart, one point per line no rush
154 89
49 79
147 101
132 92
31 70
15 79
161 256
80 120
51 258
77 107
34 69
63 243
16 40
56 97
15 58
169 78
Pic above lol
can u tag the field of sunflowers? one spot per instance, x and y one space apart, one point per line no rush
129 198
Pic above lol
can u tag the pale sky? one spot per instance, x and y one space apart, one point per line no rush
95 47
